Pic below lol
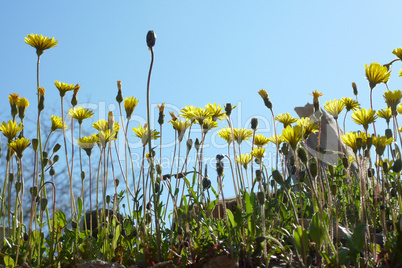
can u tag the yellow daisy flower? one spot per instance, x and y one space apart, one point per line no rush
57 123
11 129
316 102
19 145
380 142
398 52
142 133
244 160
201 114
364 117
181 127
215 111
226 134
350 104
308 126
278 138
385 113
349 139
260 140
64 87
129 105
87 143
105 136
188 112
286 119
41 43
208 124
80 113
22 105
334 107
292 135
392 99
242 134
376 74
258 152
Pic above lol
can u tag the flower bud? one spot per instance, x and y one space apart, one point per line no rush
219 168
189 144
397 166
254 123
331 170
43 204
345 162
258 175
158 168
151 38
55 158
370 172
82 175
52 172
228 109
277 176
206 183
35 144
302 154
119 97
388 133
108 199
34 191
385 167
197 144
354 88
313 167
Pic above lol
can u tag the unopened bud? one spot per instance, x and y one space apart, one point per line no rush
151 38
354 88
254 123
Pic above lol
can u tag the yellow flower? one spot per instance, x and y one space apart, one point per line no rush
56 123
258 152
208 124
392 99
87 143
242 134
13 98
292 135
244 160
216 112
129 105
41 43
11 129
106 136
308 126
376 74
187 112
364 117
286 119
80 113
64 87
103 125
274 139
385 113
399 108
316 95
398 52
226 134
260 140
19 145
180 127
400 73
22 105
350 140
334 107
142 133
201 114
380 142
350 104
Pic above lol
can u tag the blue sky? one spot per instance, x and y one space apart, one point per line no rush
205 52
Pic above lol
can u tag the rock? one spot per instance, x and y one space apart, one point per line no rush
330 147
165 264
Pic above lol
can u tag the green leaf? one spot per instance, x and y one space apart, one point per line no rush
79 204
317 230
231 218
247 202
358 237
8 261
301 238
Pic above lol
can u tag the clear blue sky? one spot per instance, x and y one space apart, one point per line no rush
206 51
